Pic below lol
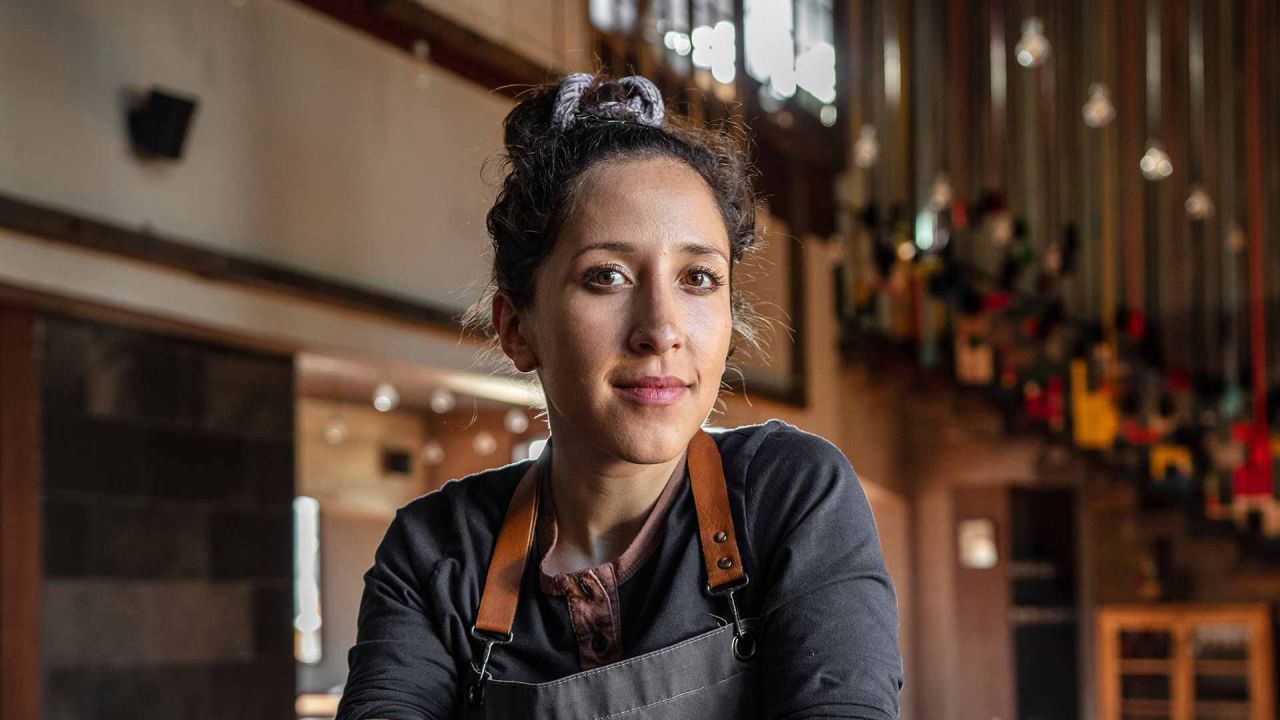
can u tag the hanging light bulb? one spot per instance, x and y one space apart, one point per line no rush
827 115
1001 228
335 430
385 397
442 400
906 251
1155 163
866 149
941 194
1033 48
432 452
516 421
422 58
1236 239
1098 110
485 443
1052 262
1199 204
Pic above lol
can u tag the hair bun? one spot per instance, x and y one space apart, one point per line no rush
634 98
552 109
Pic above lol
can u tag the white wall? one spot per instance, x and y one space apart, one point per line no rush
549 32
312 146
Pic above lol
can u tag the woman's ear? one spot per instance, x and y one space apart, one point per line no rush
506 322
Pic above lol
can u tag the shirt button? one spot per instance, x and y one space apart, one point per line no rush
585 587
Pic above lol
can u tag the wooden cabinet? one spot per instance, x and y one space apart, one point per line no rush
1185 662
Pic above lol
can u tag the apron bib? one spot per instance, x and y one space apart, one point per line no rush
705 677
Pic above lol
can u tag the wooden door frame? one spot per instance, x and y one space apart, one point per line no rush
20 511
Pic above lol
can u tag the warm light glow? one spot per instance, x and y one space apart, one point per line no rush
432 452
1199 205
443 401
385 397
906 251
516 421
1033 48
1098 110
941 194
866 149
484 443
335 430
1236 239
1155 163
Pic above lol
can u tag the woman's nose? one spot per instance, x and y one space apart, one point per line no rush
657 329
655 339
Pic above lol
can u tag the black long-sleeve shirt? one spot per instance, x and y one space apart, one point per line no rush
829 631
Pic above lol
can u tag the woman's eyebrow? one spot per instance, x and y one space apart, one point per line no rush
689 248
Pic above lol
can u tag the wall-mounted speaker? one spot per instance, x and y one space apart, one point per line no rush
158 124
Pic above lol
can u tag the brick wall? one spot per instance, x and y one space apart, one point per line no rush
168 481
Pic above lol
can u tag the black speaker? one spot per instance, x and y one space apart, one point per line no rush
158 124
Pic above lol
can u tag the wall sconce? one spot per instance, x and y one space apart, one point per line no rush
977 540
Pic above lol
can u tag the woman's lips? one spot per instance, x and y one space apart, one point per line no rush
652 395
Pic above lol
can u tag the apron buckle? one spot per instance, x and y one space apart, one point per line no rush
744 642
475 693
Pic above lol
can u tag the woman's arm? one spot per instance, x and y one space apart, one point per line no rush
399 668
829 636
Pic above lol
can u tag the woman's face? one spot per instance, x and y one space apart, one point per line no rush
635 294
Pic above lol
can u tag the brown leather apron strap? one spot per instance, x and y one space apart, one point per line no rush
501 591
715 521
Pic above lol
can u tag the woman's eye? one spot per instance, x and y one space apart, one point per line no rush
705 278
606 277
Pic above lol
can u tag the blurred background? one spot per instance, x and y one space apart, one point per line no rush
1021 260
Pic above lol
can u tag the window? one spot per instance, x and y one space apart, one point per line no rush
613 15
306 580
790 46
671 17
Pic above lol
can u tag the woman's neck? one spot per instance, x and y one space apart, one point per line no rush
601 503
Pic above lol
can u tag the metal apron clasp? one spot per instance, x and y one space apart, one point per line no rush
744 642
475 693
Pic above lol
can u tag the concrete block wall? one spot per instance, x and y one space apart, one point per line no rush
168 487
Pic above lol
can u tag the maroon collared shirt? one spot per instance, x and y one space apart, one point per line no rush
592 593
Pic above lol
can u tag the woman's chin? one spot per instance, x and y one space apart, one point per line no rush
651 440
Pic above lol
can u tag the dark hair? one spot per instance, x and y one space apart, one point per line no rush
547 158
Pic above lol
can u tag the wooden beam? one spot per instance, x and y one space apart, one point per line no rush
20 523
67 228
454 47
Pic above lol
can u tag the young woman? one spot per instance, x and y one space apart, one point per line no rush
641 567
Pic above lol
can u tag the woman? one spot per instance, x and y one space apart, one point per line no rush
641 567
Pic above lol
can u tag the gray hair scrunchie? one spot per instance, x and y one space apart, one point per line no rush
643 104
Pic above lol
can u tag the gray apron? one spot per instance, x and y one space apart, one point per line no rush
705 677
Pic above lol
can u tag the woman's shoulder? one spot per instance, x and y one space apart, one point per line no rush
463 512
778 446
783 473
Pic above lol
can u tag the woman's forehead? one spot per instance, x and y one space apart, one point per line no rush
658 202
